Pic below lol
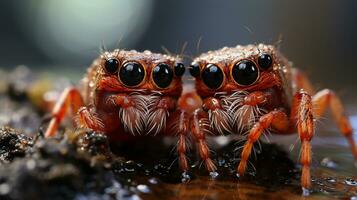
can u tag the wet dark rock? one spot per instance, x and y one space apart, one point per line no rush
52 169
149 157
94 143
12 144
81 165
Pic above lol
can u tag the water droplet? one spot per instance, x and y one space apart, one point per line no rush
323 191
252 173
185 177
153 180
330 180
329 163
143 188
129 166
147 52
351 182
221 161
354 198
305 192
320 183
237 175
213 174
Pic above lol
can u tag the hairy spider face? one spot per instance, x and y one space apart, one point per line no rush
131 71
244 68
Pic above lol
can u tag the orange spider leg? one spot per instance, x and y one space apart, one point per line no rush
302 82
219 119
276 119
201 124
199 128
302 112
178 124
89 119
257 98
121 100
71 98
327 98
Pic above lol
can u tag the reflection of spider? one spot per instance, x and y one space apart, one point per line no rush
253 88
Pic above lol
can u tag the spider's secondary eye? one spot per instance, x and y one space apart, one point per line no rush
179 69
265 61
162 75
111 65
195 69
245 72
131 74
212 76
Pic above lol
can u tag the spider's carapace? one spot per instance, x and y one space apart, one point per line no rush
252 89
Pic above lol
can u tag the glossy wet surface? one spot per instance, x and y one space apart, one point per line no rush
277 174
333 175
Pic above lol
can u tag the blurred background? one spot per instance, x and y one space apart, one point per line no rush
320 37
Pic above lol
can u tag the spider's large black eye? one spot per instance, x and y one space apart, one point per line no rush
111 65
212 76
131 73
162 75
245 72
265 61
179 69
195 69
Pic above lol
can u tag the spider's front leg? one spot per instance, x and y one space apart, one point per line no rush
276 119
209 120
302 113
72 99
200 127
178 125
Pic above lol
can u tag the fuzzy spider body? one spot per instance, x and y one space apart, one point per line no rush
252 89
127 94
